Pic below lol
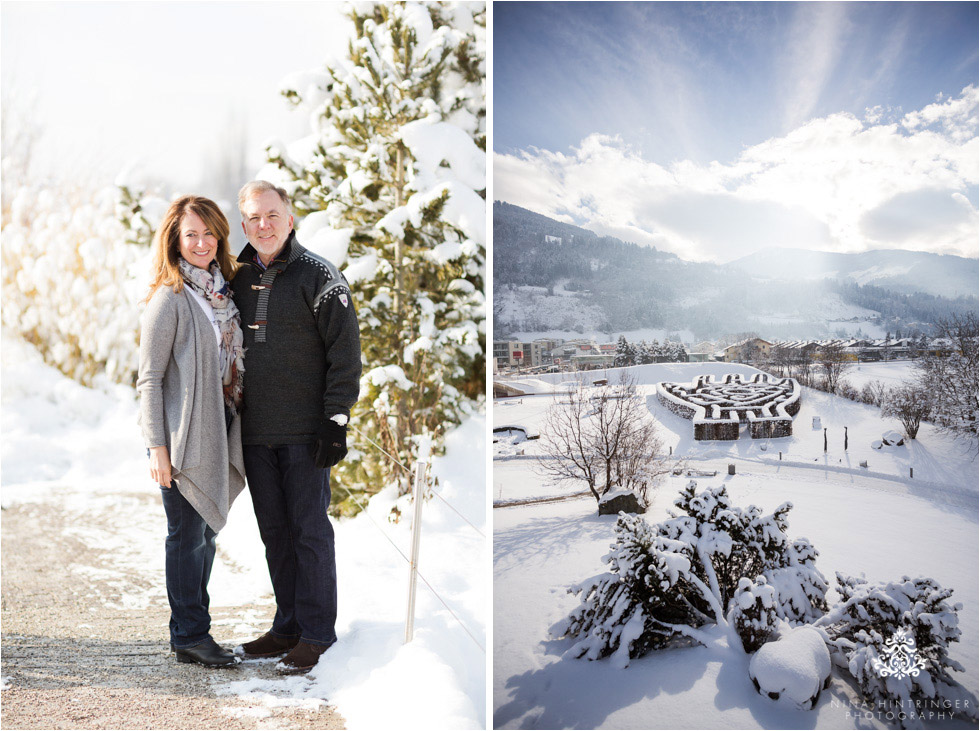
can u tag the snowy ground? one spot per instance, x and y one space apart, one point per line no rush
891 373
81 448
871 520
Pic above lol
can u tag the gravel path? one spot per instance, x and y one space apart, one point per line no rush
75 656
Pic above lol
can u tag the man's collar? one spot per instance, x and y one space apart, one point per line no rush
290 252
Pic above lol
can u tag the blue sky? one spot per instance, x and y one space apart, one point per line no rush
712 107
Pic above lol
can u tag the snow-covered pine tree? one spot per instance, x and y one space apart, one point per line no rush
622 353
656 351
643 355
391 182
640 604
667 581
632 355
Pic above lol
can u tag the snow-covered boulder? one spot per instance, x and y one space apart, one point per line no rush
794 667
893 439
616 501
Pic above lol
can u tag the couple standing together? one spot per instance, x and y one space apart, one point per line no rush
248 369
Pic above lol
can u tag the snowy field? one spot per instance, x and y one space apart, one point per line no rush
875 520
81 448
891 373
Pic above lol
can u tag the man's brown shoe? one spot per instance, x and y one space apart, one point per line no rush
301 659
268 645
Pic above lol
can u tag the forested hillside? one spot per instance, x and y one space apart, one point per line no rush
615 286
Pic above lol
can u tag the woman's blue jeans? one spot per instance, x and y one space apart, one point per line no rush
190 554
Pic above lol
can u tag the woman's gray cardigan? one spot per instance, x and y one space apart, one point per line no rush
182 407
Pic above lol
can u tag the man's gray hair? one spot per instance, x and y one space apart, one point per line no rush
257 187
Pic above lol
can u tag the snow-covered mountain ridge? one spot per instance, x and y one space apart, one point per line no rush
552 276
896 270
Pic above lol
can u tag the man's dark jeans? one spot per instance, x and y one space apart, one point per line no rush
190 555
290 495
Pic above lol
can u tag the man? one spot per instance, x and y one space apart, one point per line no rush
302 373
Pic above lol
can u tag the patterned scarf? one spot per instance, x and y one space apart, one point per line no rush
212 286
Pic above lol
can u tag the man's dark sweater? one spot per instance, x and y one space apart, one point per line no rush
302 348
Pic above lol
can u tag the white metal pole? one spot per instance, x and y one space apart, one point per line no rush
418 490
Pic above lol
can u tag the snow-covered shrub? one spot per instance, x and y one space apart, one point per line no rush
669 579
71 285
796 667
754 612
139 213
728 543
894 637
951 375
909 404
874 393
846 390
642 603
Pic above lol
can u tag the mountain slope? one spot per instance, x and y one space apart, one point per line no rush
895 270
553 276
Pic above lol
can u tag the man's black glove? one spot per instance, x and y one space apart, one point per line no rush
331 444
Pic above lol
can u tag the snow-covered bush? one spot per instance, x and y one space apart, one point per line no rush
391 181
667 580
796 667
874 393
949 376
140 214
71 284
909 404
754 612
894 637
641 604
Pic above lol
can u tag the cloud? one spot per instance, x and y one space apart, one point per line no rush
920 213
956 117
813 47
837 183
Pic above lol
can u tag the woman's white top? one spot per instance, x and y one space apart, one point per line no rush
208 310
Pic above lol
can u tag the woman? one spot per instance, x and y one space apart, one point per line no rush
190 387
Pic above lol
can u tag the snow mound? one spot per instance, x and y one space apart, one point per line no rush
796 666
892 439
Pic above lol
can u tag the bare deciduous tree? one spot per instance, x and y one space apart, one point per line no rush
950 376
910 405
782 361
801 366
874 393
605 436
833 361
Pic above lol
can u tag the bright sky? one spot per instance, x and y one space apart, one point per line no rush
168 85
716 129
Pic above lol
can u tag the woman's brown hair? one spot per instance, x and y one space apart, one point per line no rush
166 244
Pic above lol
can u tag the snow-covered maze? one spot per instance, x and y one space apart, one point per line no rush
719 408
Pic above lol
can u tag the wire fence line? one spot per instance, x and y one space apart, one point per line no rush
401 553
463 517
408 471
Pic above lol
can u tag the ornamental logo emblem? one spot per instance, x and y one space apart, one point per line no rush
343 299
899 659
